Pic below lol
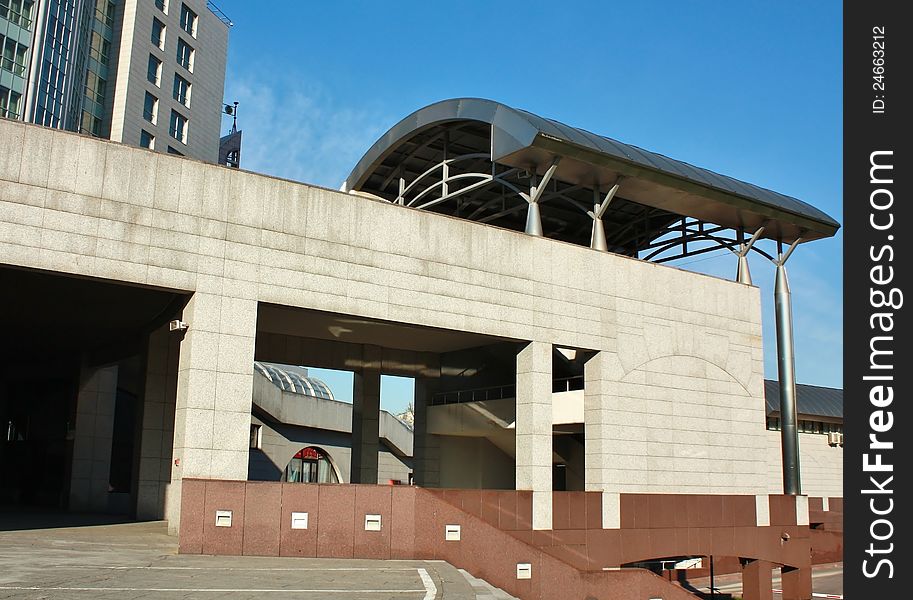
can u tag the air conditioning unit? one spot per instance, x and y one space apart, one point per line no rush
834 438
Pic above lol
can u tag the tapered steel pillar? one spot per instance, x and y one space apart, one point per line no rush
597 239
536 189
744 274
534 220
786 363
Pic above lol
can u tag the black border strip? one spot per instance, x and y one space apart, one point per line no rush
877 267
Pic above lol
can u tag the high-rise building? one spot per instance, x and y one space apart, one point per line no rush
16 23
143 72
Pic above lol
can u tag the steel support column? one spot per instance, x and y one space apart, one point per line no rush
597 238
533 220
744 274
533 215
786 363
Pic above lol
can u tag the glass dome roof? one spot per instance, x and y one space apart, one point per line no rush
294 379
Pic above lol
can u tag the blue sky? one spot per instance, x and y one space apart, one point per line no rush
748 89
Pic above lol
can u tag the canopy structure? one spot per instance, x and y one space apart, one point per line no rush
485 161
294 379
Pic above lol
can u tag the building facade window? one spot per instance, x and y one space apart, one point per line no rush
158 34
10 103
104 12
807 426
95 87
174 151
151 108
90 124
162 5
100 48
178 127
181 90
146 140
185 55
154 73
17 12
14 56
188 20
256 436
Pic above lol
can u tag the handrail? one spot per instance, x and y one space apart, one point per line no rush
501 392
218 13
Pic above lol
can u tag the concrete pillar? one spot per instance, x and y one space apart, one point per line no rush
366 417
534 429
601 375
91 474
157 435
756 580
796 583
214 389
426 447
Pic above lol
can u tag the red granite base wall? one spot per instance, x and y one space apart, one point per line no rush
827 530
496 532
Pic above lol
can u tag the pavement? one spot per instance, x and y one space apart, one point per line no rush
139 560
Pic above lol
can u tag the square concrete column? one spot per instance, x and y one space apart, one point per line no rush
796 583
600 393
157 435
756 580
366 417
534 429
91 474
426 446
214 393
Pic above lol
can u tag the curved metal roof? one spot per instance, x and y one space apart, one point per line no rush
524 140
811 400
294 379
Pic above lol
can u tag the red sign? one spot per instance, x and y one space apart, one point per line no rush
308 454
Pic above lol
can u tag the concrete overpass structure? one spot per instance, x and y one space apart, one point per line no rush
104 246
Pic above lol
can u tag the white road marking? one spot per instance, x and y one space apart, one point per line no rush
430 588
212 590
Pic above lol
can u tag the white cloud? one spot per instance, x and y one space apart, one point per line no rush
298 131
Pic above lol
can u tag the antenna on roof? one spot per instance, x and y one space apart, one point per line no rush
232 111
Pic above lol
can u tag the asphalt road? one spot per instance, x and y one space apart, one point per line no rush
827 580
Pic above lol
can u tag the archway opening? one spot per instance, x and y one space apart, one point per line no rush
310 465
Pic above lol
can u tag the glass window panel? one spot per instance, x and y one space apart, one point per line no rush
181 90
188 20
90 124
150 108
178 127
158 33
154 72
146 139
185 55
